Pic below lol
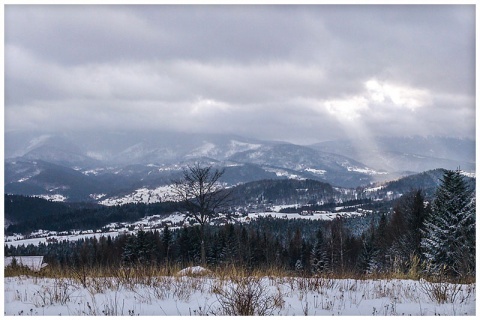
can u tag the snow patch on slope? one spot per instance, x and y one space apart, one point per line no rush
53 197
364 170
142 195
284 173
33 174
96 196
93 172
468 174
316 171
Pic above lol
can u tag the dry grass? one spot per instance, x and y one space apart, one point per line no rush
145 274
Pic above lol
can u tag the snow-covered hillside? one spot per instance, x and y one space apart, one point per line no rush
142 195
53 197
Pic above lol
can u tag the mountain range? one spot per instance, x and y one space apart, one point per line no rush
98 166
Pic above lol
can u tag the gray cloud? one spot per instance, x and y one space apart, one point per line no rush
296 73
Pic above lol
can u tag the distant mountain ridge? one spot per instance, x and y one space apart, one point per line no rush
95 167
409 154
125 148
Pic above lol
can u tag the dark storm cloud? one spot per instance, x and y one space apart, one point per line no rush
319 70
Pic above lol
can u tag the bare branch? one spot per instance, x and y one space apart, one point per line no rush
200 192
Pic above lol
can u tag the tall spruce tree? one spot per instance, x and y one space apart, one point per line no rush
166 240
319 255
448 242
406 225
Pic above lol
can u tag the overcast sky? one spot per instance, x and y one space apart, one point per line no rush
297 73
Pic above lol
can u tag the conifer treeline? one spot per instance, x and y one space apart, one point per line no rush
284 243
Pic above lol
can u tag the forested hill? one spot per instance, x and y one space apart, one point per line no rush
27 214
19 208
427 181
285 191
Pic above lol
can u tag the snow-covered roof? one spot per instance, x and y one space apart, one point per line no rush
34 263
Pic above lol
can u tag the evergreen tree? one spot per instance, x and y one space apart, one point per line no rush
145 247
448 244
406 225
139 248
229 250
381 243
319 256
295 249
368 260
129 254
167 240
337 244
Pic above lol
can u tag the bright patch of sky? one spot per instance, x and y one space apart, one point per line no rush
410 98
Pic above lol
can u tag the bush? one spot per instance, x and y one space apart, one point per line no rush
440 291
247 296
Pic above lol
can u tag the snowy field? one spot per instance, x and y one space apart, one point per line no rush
209 295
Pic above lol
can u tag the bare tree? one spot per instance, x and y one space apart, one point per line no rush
201 194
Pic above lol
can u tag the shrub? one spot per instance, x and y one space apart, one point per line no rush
247 296
441 291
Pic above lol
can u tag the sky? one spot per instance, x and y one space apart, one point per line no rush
301 74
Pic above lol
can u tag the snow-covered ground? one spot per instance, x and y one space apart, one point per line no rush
208 295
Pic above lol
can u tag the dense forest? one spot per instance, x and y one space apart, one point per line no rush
30 214
284 192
